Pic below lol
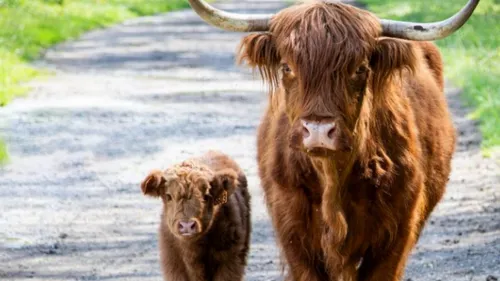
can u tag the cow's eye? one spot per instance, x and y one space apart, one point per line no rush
168 197
286 68
362 69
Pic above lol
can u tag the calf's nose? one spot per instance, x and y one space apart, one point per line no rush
187 227
318 134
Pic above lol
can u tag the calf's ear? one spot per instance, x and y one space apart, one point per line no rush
258 50
153 183
223 185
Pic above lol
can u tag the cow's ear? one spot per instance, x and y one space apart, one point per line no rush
391 56
153 184
259 50
222 185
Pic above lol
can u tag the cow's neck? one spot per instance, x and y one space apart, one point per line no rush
335 170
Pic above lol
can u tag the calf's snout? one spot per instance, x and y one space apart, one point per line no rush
187 228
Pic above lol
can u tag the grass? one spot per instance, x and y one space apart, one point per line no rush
3 153
472 55
29 26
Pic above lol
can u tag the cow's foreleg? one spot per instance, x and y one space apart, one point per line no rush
294 219
389 265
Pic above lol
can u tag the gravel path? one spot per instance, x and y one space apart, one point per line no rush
151 92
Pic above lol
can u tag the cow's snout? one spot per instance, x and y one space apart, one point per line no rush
319 134
187 228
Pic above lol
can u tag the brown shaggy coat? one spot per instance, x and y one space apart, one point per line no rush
212 191
355 213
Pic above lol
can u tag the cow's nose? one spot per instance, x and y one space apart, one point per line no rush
187 227
318 134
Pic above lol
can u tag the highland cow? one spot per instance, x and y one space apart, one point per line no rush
355 147
205 225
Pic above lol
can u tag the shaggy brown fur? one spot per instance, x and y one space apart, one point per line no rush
369 200
212 191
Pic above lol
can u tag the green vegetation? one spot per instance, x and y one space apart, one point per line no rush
3 152
472 55
29 26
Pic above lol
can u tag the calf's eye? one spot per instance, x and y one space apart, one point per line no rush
362 69
168 197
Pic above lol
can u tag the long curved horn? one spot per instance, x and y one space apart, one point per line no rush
428 31
230 21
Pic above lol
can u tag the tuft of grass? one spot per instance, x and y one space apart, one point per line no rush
3 153
29 26
471 55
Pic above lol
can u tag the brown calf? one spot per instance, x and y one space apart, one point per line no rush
205 224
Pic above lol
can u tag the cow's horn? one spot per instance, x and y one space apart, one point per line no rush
231 21
428 31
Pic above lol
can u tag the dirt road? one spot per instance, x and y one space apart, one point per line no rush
149 93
